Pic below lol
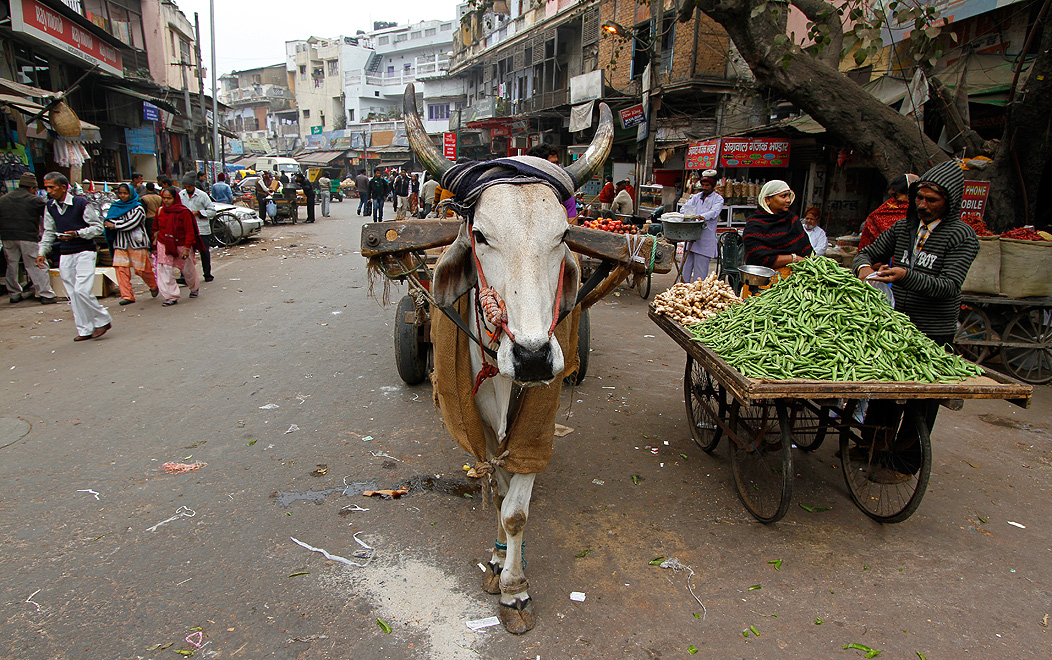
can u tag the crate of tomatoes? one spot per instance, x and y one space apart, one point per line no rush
613 225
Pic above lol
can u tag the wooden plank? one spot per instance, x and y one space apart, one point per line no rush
417 235
992 385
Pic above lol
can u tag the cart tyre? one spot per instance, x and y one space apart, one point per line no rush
973 323
699 386
411 354
643 285
762 459
809 427
887 503
584 342
221 233
1032 364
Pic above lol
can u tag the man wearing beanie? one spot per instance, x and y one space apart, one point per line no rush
21 211
204 209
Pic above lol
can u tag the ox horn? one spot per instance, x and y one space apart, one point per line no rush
425 150
594 157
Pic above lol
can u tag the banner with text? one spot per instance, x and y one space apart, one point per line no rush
703 155
449 145
633 116
749 152
973 201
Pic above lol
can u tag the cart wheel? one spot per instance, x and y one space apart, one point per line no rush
643 285
973 324
221 232
1033 361
584 344
702 394
762 459
871 474
809 425
410 353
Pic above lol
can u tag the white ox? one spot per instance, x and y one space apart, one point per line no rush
516 237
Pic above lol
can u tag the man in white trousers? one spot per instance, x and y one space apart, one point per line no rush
74 223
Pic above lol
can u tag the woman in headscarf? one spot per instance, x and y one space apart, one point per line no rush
890 212
177 240
774 236
706 205
126 221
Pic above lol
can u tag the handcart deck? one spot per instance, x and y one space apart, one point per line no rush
886 467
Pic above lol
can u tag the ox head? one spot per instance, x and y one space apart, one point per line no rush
516 236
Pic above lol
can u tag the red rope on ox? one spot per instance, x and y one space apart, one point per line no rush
489 370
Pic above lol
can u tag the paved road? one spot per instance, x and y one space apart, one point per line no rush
288 323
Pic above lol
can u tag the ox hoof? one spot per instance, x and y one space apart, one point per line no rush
491 582
518 618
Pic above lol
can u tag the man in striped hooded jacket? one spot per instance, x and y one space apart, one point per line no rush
925 256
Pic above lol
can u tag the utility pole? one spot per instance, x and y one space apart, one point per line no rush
657 32
189 111
215 91
201 87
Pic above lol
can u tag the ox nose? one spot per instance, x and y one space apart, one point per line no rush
532 365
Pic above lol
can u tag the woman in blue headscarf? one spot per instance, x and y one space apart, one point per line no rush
131 242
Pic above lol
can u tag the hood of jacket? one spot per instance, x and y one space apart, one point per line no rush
948 180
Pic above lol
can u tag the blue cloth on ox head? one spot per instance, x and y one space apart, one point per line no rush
467 180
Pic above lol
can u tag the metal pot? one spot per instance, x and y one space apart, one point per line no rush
757 276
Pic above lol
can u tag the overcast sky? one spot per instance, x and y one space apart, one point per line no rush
251 34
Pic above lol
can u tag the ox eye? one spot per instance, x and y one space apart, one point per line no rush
565 234
479 238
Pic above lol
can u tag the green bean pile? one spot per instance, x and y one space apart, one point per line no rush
825 324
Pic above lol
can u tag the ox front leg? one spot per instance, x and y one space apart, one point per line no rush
491 583
516 609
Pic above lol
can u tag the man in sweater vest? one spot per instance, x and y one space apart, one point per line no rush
74 223
925 257
20 214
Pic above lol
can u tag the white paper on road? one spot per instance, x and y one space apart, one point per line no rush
478 624
577 596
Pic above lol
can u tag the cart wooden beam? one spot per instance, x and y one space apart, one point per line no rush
383 238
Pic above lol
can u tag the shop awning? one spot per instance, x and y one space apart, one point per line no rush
21 103
319 157
8 86
160 103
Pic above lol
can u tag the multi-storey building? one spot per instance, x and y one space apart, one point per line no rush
263 109
316 67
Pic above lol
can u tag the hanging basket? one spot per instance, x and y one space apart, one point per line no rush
64 121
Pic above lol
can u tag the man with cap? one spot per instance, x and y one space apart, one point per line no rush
20 213
925 256
74 224
606 195
706 205
204 209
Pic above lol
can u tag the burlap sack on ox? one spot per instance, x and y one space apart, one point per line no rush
985 274
1026 268
530 433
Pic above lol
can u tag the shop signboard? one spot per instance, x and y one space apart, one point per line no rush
633 116
141 140
754 152
150 112
449 145
315 130
702 155
45 24
973 201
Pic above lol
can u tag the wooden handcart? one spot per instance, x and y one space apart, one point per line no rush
886 467
1015 331
400 249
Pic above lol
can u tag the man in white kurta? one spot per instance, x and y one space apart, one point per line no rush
817 235
706 205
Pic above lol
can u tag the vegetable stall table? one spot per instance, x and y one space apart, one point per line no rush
1017 329
762 419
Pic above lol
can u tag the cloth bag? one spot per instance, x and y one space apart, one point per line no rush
1026 268
984 276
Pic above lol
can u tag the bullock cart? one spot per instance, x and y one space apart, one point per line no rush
763 419
399 250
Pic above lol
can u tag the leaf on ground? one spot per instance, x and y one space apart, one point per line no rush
754 630
251 442
755 587
692 649
819 621
921 656
299 573
383 626
777 564
684 457
583 554
656 561
696 615
870 652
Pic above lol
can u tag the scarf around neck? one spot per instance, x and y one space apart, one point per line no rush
119 208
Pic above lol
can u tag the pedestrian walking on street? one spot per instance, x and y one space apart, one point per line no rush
126 218
378 189
221 190
308 193
606 195
203 209
325 193
137 183
427 196
263 195
20 214
177 238
414 194
361 184
74 224
401 191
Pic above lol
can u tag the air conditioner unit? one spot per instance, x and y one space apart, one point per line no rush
520 142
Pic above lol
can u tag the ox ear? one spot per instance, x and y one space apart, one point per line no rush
571 282
455 271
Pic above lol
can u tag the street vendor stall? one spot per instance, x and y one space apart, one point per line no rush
792 363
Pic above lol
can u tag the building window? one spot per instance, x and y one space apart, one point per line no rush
399 38
390 72
303 73
257 79
334 67
436 111
383 41
446 27
407 67
184 51
414 35
429 32
306 113
350 115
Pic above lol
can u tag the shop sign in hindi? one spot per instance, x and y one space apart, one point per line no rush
973 201
44 23
703 155
449 145
633 116
753 152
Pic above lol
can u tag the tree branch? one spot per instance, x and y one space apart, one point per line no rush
825 14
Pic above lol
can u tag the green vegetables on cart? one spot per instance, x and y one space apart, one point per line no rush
822 323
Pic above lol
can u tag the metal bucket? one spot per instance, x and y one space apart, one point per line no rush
682 230
756 279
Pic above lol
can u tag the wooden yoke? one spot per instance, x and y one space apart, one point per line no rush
390 238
